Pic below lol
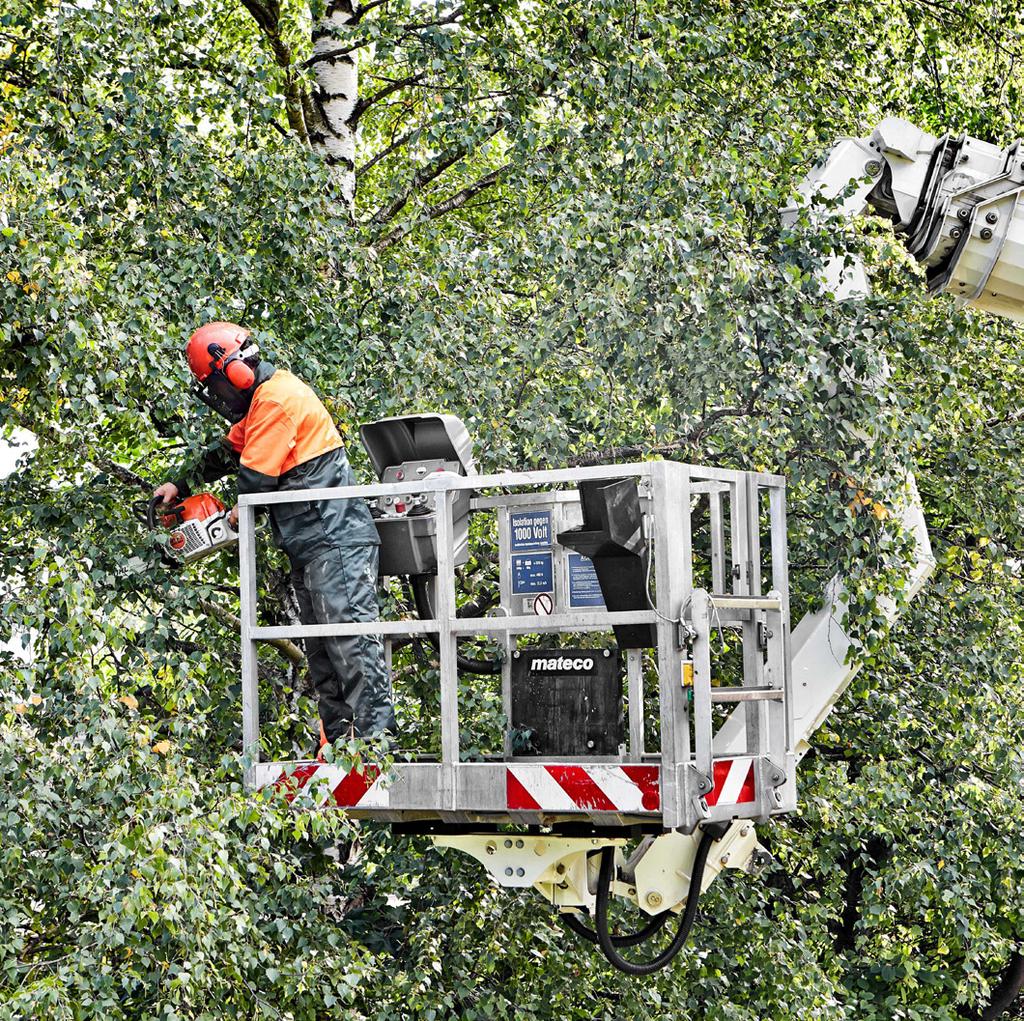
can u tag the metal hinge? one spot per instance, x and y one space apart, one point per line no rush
686 635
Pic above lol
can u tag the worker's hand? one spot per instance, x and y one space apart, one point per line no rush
168 492
233 517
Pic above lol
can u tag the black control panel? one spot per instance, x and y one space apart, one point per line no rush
567 702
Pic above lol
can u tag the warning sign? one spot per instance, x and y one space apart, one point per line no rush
544 605
531 573
530 530
584 588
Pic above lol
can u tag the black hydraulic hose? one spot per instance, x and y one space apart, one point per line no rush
421 597
606 940
654 924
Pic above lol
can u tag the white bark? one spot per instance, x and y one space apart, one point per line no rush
333 132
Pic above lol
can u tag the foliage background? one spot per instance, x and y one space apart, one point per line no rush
566 231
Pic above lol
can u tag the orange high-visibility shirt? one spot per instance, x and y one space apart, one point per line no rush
286 426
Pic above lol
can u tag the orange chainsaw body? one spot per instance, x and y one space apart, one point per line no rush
199 526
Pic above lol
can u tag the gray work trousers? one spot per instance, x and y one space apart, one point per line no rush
351 679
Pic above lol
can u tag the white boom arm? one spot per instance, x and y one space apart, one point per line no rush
957 202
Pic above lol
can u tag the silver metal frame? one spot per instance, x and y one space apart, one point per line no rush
687 623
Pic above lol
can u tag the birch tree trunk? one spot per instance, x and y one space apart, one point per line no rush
332 119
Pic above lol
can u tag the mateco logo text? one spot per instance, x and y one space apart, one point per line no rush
562 664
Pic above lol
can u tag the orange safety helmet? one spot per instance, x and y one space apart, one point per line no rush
216 347
221 357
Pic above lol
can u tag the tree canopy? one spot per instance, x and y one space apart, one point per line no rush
560 222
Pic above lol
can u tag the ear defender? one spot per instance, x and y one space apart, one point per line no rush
239 374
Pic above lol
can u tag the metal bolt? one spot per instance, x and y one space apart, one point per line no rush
873 168
963 214
724 860
632 891
595 842
986 233
520 872
516 655
508 843
607 653
519 843
776 778
560 869
590 744
955 233
492 847
654 899
508 871
744 831
992 217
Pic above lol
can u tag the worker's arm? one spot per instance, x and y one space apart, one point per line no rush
256 449
216 460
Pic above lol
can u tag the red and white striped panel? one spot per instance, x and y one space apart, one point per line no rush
547 788
350 789
733 782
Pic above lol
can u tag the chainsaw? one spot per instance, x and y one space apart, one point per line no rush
198 526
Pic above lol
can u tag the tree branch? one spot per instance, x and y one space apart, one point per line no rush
399 83
876 852
420 179
119 471
404 30
288 649
463 195
450 204
393 147
1005 994
425 175
331 55
365 9
267 16
700 429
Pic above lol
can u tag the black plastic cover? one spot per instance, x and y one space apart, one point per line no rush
395 441
612 536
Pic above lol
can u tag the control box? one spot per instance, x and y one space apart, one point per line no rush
409 448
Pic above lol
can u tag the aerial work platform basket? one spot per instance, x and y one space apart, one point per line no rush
646 565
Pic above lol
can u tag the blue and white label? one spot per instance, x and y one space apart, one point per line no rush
532 573
584 588
530 530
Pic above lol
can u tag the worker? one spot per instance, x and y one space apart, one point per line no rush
283 438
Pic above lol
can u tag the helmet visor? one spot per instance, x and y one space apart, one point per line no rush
218 392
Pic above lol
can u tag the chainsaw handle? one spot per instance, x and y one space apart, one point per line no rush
151 511
174 507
